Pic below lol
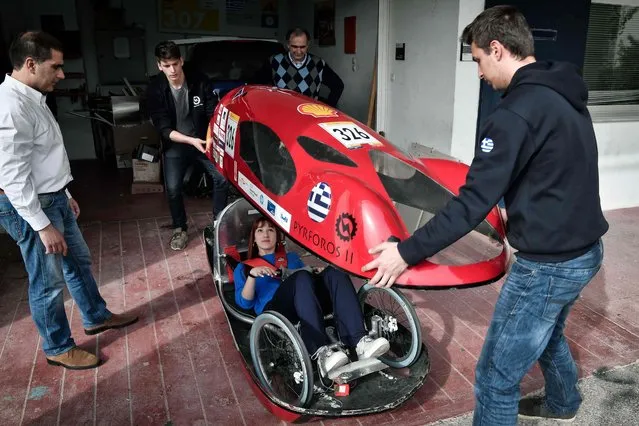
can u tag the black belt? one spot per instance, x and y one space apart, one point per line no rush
44 193
54 192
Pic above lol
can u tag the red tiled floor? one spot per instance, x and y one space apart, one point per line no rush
179 362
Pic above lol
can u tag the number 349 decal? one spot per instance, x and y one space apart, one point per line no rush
349 134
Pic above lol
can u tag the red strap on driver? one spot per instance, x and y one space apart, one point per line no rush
281 260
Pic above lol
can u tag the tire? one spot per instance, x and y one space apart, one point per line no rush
280 359
405 337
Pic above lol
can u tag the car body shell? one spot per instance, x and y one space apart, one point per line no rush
337 205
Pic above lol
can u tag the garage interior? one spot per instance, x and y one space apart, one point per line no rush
178 364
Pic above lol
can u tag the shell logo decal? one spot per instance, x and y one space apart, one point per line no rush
317 110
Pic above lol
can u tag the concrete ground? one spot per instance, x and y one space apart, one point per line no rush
611 397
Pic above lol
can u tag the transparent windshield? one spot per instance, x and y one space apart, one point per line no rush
265 154
418 198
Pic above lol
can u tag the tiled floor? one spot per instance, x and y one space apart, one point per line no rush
178 364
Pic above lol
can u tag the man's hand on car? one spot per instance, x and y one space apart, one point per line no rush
389 265
199 144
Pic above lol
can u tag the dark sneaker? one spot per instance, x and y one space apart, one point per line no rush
535 408
75 359
178 239
116 321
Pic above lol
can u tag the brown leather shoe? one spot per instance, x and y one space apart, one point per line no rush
75 359
116 321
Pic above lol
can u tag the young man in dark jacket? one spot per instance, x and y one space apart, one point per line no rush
181 103
538 151
302 71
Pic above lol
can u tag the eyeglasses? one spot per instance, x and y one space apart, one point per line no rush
294 46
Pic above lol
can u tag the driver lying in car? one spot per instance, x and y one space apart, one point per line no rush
298 297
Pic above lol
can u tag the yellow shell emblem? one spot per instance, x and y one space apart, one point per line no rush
317 110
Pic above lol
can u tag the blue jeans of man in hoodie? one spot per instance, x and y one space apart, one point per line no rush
177 159
527 326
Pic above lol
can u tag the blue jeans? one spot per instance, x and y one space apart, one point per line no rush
528 326
177 159
49 272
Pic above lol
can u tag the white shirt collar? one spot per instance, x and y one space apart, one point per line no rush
32 93
296 64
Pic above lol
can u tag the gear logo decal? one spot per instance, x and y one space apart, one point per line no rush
346 227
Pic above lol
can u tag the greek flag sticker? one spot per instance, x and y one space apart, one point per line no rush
319 202
487 145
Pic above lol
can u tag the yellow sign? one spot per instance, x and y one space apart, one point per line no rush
316 110
194 16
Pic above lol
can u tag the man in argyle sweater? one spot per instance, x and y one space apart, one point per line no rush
302 71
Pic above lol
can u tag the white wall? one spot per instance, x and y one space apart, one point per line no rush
422 88
358 79
618 164
466 104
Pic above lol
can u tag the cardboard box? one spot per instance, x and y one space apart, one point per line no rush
146 188
143 171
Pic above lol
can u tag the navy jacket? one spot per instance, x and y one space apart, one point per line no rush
538 151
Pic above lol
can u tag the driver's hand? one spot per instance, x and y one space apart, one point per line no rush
263 271
318 269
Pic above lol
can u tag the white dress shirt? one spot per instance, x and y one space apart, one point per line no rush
33 159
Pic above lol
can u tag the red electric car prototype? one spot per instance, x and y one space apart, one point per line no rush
335 188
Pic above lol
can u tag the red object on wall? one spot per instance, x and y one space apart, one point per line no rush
350 31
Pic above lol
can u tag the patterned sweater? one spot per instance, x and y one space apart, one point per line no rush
308 79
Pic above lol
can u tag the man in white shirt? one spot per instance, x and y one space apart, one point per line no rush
37 210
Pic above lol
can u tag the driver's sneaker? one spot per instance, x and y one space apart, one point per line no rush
371 348
178 239
329 360
535 408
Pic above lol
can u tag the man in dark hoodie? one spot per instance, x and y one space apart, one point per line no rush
538 151
180 102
